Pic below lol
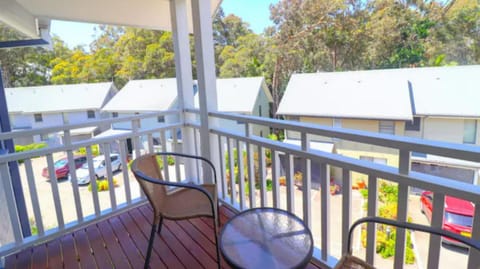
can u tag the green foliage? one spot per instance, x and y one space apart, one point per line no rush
387 197
170 161
95 150
33 146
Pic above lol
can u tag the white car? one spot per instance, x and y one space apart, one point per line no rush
99 167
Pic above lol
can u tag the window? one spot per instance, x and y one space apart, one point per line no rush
38 117
386 127
469 131
44 137
90 114
374 160
161 118
413 125
337 123
114 114
259 110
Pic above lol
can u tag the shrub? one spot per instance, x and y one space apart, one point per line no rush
33 146
95 150
102 185
388 197
170 160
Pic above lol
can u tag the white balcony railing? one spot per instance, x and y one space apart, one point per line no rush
89 207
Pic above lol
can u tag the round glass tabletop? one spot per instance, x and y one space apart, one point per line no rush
266 238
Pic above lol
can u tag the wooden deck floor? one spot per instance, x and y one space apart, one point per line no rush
121 242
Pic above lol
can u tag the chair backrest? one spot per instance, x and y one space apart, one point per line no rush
151 184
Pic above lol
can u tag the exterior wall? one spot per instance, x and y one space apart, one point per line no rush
450 130
263 103
147 123
443 129
21 121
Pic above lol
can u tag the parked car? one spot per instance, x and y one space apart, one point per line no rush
457 218
61 167
99 168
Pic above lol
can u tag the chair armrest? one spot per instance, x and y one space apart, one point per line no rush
412 226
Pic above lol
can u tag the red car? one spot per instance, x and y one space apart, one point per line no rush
458 216
61 167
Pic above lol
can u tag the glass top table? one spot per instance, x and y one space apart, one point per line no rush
266 238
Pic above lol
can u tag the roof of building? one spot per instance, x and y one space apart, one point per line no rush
239 94
144 95
446 91
234 95
396 94
58 98
355 94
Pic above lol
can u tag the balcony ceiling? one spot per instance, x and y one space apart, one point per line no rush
27 16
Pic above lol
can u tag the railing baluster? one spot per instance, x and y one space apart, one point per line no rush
474 255
307 182
402 209
437 221
10 199
55 192
233 193
251 175
241 174
150 143
32 188
166 171
223 177
73 180
126 178
372 212
93 181
346 207
178 174
250 167
275 178
108 166
325 210
289 180
263 175
136 137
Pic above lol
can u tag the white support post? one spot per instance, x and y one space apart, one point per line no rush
207 89
183 68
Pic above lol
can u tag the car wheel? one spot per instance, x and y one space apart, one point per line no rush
97 177
119 167
422 208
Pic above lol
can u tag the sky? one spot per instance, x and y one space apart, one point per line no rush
255 12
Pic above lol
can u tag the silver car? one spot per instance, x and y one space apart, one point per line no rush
99 167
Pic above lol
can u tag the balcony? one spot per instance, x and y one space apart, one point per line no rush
61 210
50 217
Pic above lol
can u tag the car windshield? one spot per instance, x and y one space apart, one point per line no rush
458 219
60 163
96 164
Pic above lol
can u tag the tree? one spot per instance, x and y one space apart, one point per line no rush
25 66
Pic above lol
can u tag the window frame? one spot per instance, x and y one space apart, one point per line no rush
413 125
38 117
91 114
473 139
383 129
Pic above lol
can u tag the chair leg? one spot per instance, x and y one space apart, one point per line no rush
160 225
215 230
150 246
